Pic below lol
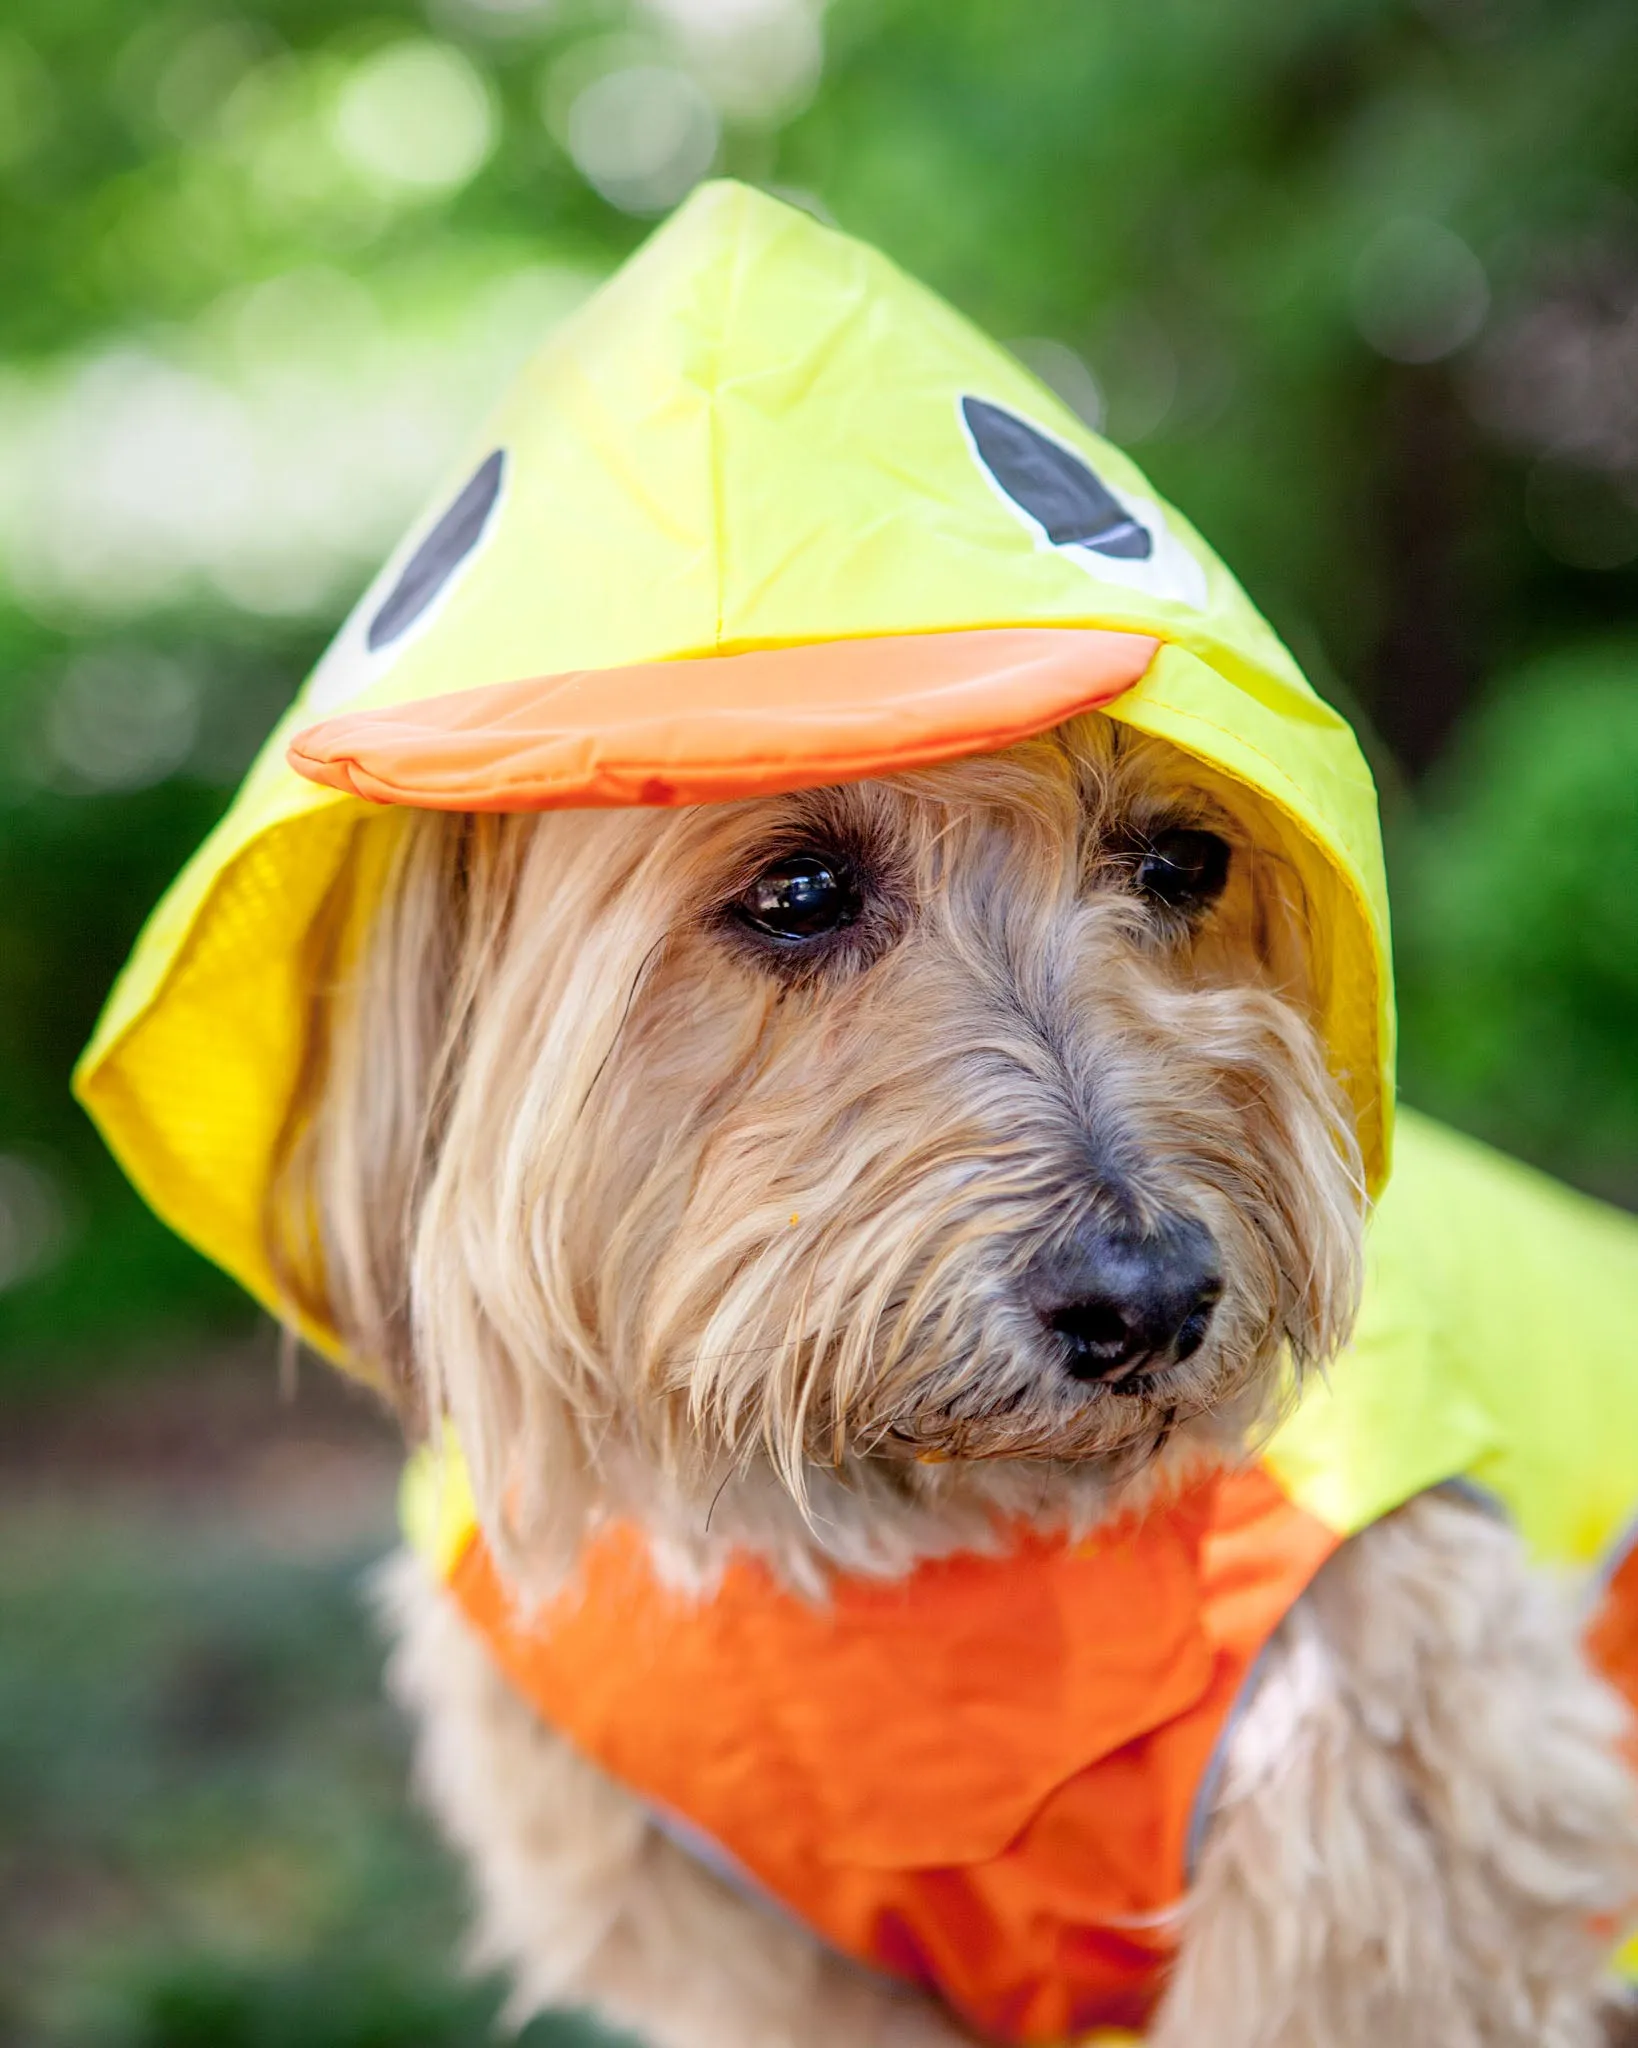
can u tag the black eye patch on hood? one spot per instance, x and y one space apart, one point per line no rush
443 551
1063 495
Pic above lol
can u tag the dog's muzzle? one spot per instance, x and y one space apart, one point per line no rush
1125 1304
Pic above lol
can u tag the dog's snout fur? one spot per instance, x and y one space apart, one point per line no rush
1126 1301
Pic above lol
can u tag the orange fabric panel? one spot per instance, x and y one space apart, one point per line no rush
980 1777
723 726
1612 1644
1612 1639
1258 1553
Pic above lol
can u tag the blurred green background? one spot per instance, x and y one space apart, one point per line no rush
1358 283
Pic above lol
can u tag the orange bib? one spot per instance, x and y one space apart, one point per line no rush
984 1777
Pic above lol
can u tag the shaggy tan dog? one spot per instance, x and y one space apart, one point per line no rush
836 1176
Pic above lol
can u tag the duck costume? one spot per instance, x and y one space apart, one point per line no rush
766 515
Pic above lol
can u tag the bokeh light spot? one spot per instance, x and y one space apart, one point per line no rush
33 1219
121 722
1137 373
200 73
758 60
1064 372
642 136
416 116
1418 292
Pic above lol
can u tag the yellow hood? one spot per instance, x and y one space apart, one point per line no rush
758 440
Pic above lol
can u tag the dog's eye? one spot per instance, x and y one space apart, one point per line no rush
1183 868
801 898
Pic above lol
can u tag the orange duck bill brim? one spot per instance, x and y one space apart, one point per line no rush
716 727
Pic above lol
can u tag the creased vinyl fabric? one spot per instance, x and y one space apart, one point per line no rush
763 514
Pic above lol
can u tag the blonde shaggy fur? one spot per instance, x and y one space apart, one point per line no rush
738 1241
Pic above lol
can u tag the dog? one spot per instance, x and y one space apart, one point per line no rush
806 988
845 1176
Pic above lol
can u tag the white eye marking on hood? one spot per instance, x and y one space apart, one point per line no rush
1069 508
407 594
440 554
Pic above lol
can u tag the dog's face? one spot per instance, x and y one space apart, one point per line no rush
917 1131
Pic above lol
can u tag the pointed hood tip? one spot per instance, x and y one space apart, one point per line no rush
729 213
727 208
725 192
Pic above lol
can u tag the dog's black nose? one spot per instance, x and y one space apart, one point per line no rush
1126 1301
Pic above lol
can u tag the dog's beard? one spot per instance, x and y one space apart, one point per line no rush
648 1216
885 1315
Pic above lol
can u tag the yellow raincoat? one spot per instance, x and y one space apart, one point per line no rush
765 515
